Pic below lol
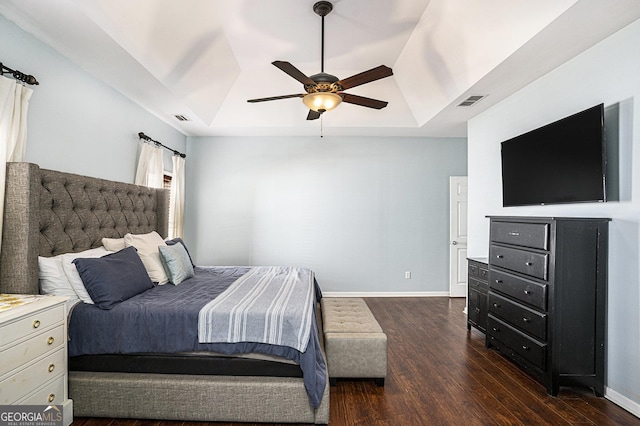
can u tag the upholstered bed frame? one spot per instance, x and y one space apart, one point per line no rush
49 213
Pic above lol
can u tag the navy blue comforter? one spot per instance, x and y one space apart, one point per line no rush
164 319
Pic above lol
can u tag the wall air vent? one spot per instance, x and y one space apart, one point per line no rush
181 117
471 100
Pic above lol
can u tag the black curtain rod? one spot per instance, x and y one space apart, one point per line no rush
147 138
18 75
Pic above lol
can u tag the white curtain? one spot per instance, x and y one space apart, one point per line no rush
176 199
14 103
150 171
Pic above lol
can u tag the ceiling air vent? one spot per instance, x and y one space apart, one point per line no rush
181 117
471 100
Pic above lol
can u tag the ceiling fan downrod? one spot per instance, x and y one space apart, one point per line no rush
322 8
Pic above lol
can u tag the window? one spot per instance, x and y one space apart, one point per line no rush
167 185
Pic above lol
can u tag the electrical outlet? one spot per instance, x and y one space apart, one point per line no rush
407 275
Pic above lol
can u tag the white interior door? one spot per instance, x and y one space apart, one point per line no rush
458 236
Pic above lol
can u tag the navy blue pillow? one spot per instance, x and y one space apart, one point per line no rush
179 240
113 278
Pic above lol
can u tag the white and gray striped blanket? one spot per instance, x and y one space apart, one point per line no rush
272 305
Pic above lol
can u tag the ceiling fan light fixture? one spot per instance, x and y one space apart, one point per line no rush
322 101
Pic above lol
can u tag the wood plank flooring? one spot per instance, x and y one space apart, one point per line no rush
441 374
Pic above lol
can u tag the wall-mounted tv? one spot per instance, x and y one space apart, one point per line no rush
562 162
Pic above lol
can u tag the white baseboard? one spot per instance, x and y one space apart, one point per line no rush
385 294
631 406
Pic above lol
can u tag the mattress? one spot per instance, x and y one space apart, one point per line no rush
190 363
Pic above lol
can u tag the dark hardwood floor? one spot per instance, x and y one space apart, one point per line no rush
441 374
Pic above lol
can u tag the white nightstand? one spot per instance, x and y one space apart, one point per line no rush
33 349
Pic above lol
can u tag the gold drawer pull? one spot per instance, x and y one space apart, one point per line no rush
52 396
50 340
51 368
525 319
528 263
526 348
499 256
36 324
527 292
496 305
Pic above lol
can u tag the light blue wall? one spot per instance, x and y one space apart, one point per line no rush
358 211
608 73
77 123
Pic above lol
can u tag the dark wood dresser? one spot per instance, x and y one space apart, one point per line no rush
477 293
547 297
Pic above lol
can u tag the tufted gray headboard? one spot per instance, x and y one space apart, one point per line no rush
47 213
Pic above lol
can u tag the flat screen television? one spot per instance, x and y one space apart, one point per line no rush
562 162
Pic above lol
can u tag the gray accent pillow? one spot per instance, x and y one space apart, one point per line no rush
176 262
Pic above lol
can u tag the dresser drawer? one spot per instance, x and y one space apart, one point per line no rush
528 348
526 291
474 269
477 285
51 393
33 376
484 273
31 324
535 235
526 319
523 261
25 352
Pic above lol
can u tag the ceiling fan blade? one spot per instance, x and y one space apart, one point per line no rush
362 101
293 72
313 115
275 98
373 74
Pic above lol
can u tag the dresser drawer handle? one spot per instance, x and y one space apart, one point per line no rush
499 256
477 310
36 324
496 305
526 348
497 330
52 396
525 319
51 368
498 281
528 263
50 340
527 292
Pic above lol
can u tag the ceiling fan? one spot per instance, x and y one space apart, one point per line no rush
325 91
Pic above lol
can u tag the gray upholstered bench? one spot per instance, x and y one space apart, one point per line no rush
354 343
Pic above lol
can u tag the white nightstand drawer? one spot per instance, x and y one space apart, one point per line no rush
17 386
50 394
36 346
31 324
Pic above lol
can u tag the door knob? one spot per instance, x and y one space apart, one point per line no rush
453 243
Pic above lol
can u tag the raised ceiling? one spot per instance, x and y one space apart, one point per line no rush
202 59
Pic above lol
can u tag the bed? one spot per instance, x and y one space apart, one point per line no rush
48 213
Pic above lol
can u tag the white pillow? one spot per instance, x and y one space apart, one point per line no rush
147 246
113 244
72 273
52 277
54 281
